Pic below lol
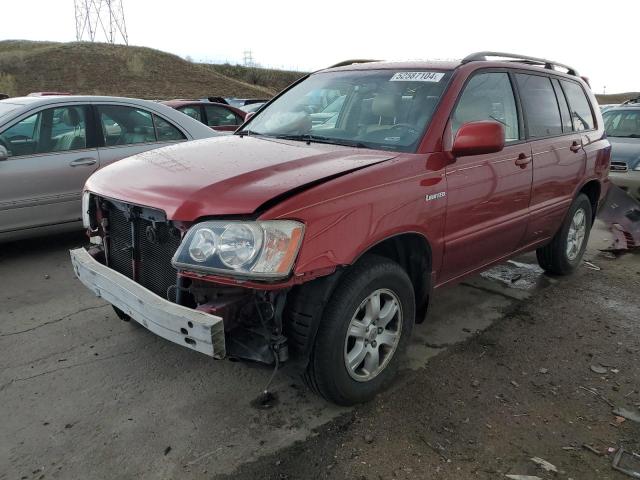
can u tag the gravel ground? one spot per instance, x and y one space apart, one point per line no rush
491 379
517 390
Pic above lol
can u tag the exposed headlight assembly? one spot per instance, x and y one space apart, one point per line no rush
262 250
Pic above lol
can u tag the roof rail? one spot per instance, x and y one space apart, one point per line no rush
549 64
351 62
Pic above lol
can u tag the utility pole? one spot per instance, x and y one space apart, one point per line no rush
101 20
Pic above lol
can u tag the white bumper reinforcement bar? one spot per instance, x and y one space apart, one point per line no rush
185 326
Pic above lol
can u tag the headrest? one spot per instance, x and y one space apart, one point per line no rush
386 105
71 117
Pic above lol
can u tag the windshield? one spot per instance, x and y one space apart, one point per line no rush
622 123
379 109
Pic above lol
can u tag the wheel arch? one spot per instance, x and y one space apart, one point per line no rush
592 189
306 302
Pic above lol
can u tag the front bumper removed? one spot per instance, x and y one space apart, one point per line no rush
190 328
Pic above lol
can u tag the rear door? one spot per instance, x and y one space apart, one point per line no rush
125 130
487 195
221 118
52 153
559 160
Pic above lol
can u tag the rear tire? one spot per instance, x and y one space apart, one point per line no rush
363 332
565 251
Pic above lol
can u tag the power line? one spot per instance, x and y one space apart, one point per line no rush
102 20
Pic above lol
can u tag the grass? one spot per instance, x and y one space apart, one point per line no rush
104 69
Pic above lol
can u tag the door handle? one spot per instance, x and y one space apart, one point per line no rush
575 146
83 161
523 160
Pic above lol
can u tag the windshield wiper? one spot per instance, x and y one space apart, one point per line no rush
307 137
245 132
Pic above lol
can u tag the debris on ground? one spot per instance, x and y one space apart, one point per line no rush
592 266
634 416
546 466
592 449
597 368
627 463
622 214
523 477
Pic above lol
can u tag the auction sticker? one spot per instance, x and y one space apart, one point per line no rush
417 77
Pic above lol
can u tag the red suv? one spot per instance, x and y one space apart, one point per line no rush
320 244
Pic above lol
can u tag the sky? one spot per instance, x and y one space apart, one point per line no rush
592 37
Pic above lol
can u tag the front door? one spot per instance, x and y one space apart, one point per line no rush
488 195
51 155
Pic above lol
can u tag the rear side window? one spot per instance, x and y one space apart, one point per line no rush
488 96
581 113
165 131
193 112
567 126
125 125
540 105
220 116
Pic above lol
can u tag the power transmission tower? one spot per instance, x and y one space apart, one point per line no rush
248 58
102 20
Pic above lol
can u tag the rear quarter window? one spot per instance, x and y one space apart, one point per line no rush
581 113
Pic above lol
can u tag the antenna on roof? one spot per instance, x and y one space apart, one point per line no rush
101 19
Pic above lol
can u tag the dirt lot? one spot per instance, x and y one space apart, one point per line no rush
492 379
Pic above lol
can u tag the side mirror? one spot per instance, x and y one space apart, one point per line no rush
4 154
476 138
248 116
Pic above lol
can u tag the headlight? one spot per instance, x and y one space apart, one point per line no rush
265 249
86 220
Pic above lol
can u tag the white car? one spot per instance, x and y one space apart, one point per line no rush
50 145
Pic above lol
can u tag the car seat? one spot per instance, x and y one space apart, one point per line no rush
75 139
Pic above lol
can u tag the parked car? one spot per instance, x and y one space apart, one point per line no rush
605 107
49 145
323 246
219 116
241 102
622 125
252 107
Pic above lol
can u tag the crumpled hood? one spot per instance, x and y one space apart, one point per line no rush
625 150
224 175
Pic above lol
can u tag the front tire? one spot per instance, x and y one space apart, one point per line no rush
364 330
563 255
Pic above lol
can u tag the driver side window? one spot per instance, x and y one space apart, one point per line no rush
53 130
488 96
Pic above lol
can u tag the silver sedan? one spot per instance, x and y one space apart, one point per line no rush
50 145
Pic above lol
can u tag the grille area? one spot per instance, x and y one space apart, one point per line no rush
148 244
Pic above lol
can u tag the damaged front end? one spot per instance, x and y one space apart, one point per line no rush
157 272
622 214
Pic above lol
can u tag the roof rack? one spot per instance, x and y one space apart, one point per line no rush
549 64
351 62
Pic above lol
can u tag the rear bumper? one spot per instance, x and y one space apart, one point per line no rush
187 327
